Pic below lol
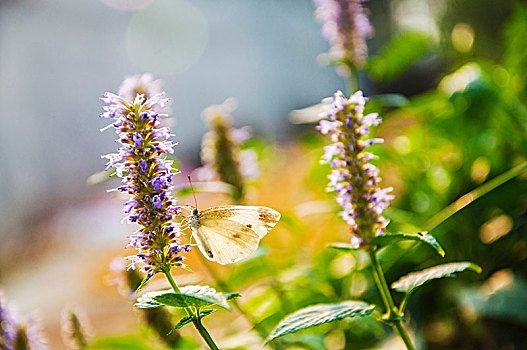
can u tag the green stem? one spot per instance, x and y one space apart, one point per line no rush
394 315
402 307
225 287
196 320
353 79
470 197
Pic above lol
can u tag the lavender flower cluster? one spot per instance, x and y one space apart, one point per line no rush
220 149
142 165
346 26
355 180
14 335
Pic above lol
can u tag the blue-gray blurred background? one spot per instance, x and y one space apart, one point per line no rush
57 57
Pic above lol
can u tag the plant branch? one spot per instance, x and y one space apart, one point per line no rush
394 315
195 317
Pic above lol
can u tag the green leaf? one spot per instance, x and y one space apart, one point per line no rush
187 319
146 279
204 313
195 296
392 238
319 314
402 52
345 247
410 282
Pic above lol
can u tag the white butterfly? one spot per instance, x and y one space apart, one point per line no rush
230 233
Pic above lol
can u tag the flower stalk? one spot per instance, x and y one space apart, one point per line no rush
195 316
221 153
354 178
346 26
394 314
142 165
356 182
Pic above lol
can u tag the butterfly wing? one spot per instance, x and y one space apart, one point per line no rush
228 234
225 241
260 219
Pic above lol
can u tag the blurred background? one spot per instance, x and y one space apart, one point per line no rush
447 76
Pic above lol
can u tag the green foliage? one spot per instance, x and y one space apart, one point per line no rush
187 319
393 238
319 314
408 283
143 282
403 51
190 296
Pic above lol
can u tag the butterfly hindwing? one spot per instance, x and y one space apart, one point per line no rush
225 241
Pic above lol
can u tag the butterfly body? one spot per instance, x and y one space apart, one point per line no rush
227 234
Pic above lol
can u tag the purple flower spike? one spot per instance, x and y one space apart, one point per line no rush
346 26
141 163
353 178
221 153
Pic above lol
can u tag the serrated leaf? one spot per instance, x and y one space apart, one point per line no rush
145 301
423 237
346 247
410 282
319 314
146 279
187 319
195 296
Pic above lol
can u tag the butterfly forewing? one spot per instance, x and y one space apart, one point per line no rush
227 234
259 219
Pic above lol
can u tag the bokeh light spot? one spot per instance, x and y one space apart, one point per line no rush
438 178
335 340
167 37
420 202
501 76
402 144
462 37
480 170
342 266
495 228
459 80
499 280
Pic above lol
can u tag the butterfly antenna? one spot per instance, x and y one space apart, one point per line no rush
193 193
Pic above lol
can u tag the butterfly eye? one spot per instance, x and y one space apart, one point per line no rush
195 212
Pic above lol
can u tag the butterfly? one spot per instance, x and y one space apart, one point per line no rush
230 233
